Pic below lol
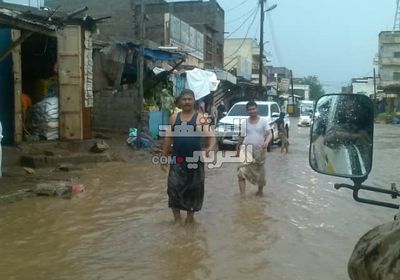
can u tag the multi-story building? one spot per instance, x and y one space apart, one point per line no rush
389 68
196 27
119 28
242 57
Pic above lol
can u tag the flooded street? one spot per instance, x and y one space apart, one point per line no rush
121 227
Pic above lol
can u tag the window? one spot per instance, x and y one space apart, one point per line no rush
274 109
240 110
396 54
396 76
209 49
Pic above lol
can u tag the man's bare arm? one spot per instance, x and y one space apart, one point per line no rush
168 141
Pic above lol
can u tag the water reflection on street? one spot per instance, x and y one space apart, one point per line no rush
121 228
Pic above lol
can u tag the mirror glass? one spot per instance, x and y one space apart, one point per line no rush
342 135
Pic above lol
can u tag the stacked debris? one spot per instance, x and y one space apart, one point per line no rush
45 118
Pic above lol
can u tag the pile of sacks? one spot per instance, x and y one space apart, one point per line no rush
45 118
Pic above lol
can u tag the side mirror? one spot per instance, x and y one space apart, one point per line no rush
341 139
224 114
275 115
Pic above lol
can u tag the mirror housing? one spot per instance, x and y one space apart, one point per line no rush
224 113
341 139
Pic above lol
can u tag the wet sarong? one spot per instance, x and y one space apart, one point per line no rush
254 171
186 187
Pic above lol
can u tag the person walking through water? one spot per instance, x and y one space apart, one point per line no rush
282 133
255 135
220 111
185 179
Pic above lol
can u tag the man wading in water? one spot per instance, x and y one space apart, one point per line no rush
186 179
254 133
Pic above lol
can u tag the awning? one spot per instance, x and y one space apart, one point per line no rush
163 55
158 55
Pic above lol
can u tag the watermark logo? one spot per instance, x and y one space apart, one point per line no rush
238 127
213 159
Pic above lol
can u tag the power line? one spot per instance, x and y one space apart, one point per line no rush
242 16
241 25
228 10
244 39
275 41
256 33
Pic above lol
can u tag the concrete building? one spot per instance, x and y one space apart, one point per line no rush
389 68
206 17
363 86
242 57
121 25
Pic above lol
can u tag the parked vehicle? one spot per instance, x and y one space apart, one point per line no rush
227 129
341 145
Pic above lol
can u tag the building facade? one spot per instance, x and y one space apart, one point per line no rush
205 17
389 68
363 86
187 17
242 57
120 27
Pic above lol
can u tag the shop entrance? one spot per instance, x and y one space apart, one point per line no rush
40 90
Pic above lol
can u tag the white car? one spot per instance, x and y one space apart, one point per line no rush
227 129
305 120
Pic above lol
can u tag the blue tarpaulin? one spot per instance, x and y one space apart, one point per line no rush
162 55
159 55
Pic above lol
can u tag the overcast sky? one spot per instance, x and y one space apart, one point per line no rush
335 40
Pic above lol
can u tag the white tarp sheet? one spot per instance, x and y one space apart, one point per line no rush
201 82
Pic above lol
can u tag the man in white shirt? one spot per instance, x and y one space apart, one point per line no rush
255 134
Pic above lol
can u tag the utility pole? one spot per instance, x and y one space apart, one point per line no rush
141 61
260 74
291 85
375 107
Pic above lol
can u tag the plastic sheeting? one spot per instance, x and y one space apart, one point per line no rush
45 118
202 82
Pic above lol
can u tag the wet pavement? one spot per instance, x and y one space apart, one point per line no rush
121 228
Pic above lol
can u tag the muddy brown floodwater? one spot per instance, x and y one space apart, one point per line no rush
121 228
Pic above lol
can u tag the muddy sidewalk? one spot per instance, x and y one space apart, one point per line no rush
63 164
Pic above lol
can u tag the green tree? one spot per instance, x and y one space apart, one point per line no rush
316 89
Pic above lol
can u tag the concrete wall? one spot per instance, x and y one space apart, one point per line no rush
115 110
231 50
207 17
121 27
364 86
